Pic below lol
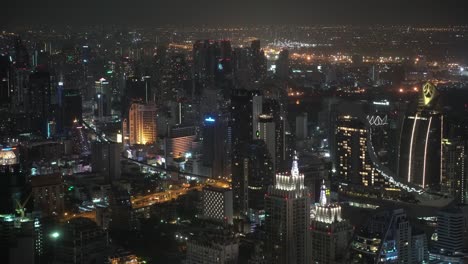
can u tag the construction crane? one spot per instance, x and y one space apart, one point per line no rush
20 207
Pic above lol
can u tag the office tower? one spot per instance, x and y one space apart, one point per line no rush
385 239
330 234
259 61
454 170
21 239
39 105
212 248
105 159
48 194
179 141
301 126
419 247
103 95
21 55
136 89
451 234
242 132
257 110
12 180
80 240
71 108
6 80
421 135
217 204
267 132
354 164
142 123
287 218
214 146
253 173
282 65
273 107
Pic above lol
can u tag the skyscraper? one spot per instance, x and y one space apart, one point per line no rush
287 218
330 234
451 235
352 158
39 104
214 146
12 180
282 65
106 159
142 123
454 170
424 130
385 239
267 132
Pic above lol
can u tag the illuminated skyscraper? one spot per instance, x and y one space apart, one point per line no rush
454 170
353 161
142 123
420 142
330 234
287 218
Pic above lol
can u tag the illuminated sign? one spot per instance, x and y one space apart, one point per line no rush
384 102
429 93
210 119
377 120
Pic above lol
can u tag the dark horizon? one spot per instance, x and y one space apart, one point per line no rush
241 12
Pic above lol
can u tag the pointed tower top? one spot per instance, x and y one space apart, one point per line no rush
295 166
323 194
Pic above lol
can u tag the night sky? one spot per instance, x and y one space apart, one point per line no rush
236 12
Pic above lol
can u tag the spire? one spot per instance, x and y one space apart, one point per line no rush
323 194
295 166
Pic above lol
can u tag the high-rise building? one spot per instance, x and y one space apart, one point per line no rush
48 194
451 232
217 204
71 108
142 123
39 104
259 61
105 159
424 130
454 169
301 126
273 107
267 132
214 146
282 65
6 80
212 248
352 159
80 240
12 180
287 218
103 97
330 234
21 239
385 239
253 174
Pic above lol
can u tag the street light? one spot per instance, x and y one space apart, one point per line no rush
55 235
